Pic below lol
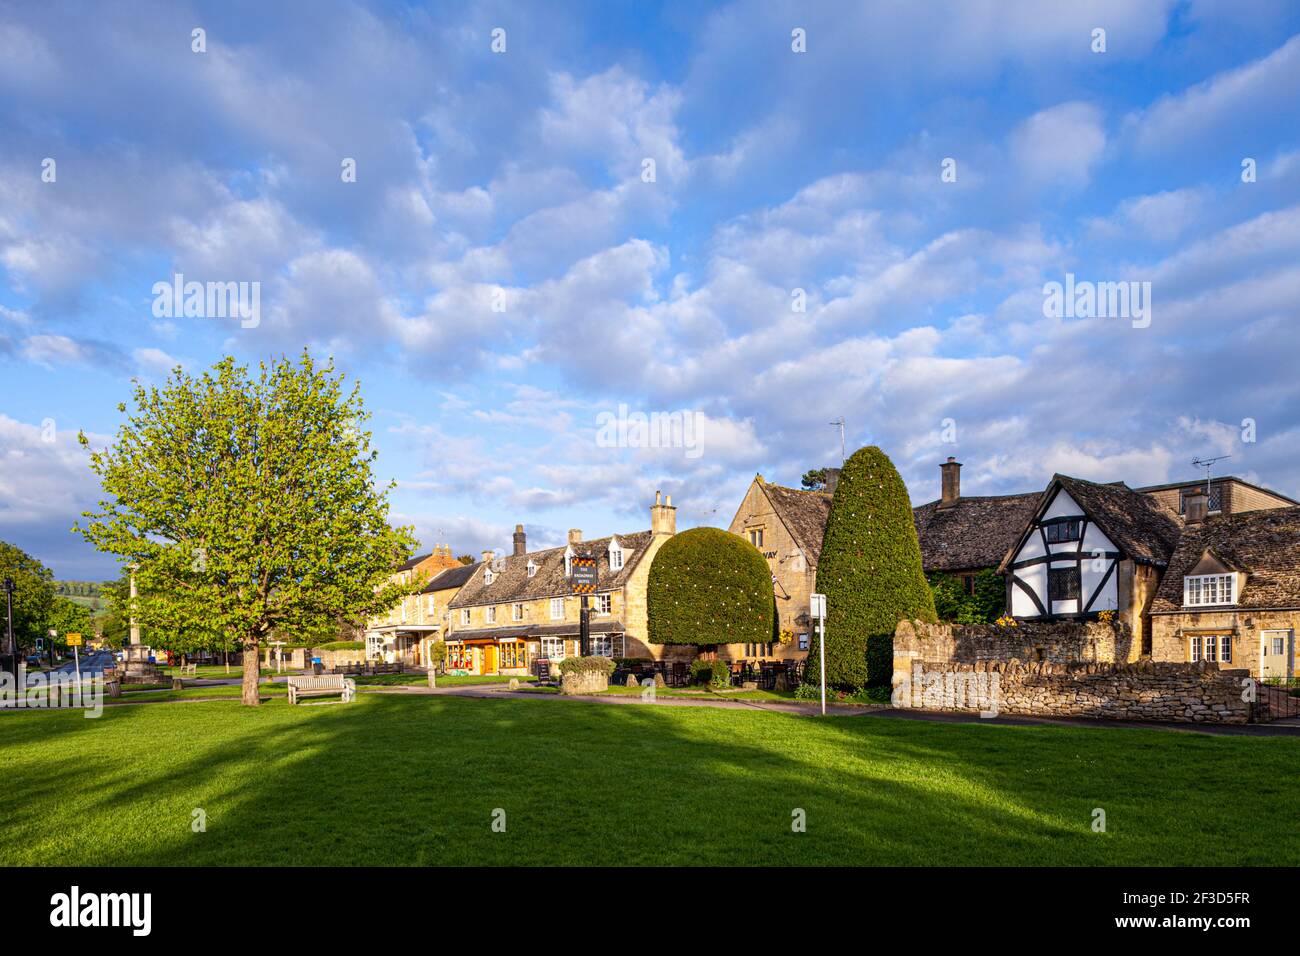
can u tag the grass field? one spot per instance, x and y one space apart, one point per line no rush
416 780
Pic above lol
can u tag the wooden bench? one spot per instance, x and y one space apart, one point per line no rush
189 670
321 686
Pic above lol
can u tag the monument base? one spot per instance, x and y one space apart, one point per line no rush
136 669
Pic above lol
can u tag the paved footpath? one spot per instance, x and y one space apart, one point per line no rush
1280 728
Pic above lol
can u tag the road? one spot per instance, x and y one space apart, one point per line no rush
92 662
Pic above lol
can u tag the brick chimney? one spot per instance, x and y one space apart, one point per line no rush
950 471
488 556
575 535
521 540
1196 505
663 516
832 479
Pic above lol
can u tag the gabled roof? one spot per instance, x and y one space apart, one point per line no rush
1142 529
414 561
973 532
450 578
510 580
1264 544
803 513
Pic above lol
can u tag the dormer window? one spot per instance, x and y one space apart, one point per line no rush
532 568
488 575
615 555
1204 590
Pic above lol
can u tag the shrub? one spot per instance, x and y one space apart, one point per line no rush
953 604
587 665
870 568
714 673
880 660
342 646
708 586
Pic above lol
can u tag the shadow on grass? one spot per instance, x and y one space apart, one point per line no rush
417 780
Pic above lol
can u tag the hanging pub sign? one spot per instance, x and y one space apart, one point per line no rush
582 578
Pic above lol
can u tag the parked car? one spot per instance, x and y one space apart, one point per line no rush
33 660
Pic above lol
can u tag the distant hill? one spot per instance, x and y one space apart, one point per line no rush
87 593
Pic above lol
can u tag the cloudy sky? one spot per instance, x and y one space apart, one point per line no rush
504 269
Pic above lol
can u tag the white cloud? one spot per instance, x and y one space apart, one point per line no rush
1060 145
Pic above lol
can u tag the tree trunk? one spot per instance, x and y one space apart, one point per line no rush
252 673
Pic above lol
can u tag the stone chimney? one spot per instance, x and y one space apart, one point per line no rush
663 516
575 535
951 482
521 540
832 479
1196 505
488 556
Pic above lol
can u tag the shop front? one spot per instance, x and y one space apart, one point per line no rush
503 653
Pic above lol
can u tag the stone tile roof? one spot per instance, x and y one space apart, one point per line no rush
510 573
1264 544
414 561
804 513
1140 527
450 578
972 533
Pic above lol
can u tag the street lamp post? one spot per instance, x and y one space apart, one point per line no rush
9 626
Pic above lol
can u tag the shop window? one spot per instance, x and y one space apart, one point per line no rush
513 655
553 648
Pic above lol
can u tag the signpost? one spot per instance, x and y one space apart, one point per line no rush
582 580
817 610
74 642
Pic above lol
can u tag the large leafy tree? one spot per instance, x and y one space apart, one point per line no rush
869 570
246 505
33 596
68 617
709 587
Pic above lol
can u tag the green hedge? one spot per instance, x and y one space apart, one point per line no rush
342 646
708 586
715 673
985 606
870 571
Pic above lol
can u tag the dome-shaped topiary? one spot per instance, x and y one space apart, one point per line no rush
870 572
708 586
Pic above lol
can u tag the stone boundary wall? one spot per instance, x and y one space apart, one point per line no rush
1147 690
1059 642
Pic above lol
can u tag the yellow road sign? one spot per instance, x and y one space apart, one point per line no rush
74 640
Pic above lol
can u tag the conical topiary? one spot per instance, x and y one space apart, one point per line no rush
869 570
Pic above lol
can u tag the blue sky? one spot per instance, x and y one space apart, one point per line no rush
519 174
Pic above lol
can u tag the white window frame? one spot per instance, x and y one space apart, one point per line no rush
604 605
568 561
465 616
557 604
1206 590
1194 648
490 614
602 645
532 568
516 612
431 607
487 575
549 645
803 642
616 559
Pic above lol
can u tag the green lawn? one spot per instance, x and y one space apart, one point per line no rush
415 780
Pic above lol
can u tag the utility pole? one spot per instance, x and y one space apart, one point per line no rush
839 423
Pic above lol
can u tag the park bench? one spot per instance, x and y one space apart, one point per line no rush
321 686
189 670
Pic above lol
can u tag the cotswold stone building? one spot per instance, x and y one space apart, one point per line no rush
515 610
1231 595
1077 549
404 632
786 525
